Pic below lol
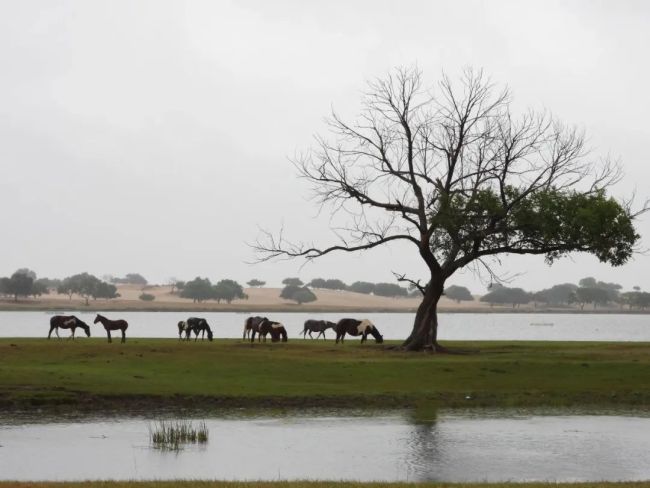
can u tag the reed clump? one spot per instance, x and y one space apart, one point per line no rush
173 435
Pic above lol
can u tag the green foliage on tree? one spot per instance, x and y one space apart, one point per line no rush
556 295
104 290
86 286
298 294
41 287
199 290
364 287
328 284
292 282
147 297
389 290
636 299
585 295
504 295
131 279
228 290
458 293
19 284
255 283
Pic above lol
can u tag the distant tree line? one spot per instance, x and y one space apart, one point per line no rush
201 289
24 283
588 291
365 287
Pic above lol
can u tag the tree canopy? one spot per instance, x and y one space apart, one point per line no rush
505 295
299 294
255 283
229 290
458 293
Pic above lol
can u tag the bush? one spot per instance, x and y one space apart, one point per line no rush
147 297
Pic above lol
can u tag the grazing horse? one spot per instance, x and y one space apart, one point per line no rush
252 324
110 325
183 327
357 328
276 329
319 326
196 325
67 322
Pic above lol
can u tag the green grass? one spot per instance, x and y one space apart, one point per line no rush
314 484
231 373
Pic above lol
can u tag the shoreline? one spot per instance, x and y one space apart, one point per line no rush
289 308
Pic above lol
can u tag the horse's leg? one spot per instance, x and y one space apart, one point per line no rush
123 335
311 336
57 333
108 333
50 333
363 337
72 335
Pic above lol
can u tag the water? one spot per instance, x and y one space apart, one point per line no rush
456 326
459 447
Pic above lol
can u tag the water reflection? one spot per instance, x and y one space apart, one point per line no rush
415 446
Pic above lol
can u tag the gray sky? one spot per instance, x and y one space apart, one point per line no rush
154 136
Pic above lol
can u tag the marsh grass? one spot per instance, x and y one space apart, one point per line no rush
173 435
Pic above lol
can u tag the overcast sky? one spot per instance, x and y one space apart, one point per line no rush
154 136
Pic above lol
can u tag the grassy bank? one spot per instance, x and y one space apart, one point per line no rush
308 484
92 373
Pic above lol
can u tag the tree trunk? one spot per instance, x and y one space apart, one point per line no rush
425 328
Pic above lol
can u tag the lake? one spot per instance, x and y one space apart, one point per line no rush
458 446
454 326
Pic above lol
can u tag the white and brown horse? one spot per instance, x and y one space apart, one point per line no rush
110 325
67 322
276 329
357 328
252 325
319 326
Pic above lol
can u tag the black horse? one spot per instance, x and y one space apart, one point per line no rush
252 325
276 329
357 328
319 326
67 322
196 325
110 325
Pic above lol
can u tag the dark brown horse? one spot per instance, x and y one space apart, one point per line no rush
319 326
276 329
67 322
357 328
197 325
252 325
110 325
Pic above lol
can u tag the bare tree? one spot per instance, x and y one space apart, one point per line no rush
453 172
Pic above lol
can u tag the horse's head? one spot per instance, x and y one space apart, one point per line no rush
97 319
209 334
84 326
375 333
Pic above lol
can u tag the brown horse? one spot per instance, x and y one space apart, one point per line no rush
67 322
110 325
252 324
319 326
357 328
276 329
